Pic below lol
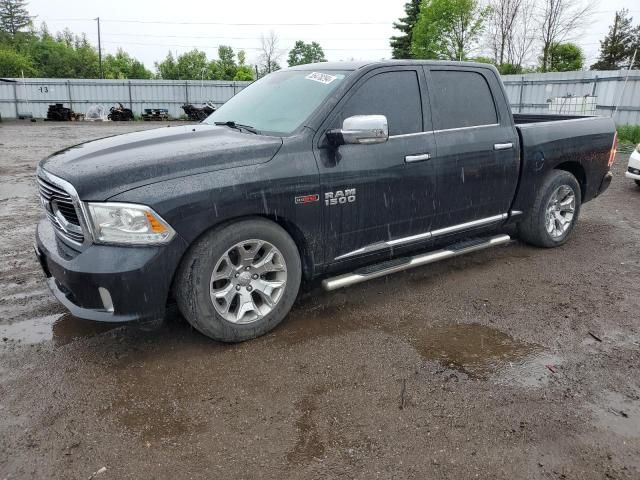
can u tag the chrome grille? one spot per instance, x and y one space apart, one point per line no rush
61 210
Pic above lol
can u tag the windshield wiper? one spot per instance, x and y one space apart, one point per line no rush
238 126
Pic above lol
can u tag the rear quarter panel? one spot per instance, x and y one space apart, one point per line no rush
547 145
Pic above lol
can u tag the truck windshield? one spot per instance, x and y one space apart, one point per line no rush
280 102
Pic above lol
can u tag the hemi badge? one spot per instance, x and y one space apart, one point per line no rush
307 198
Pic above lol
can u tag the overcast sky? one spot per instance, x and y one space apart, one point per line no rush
346 29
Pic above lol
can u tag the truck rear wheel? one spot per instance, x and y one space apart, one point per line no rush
555 211
239 282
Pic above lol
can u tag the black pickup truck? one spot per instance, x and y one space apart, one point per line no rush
345 171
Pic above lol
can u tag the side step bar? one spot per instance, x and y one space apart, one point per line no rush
397 265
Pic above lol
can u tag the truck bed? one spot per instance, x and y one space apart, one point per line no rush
524 118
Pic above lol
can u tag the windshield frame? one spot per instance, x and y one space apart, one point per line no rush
311 121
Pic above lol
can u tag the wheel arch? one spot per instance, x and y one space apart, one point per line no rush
577 170
306 257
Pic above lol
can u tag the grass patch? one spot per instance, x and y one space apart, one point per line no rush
629 134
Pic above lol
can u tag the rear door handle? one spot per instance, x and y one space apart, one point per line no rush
503 146
417 158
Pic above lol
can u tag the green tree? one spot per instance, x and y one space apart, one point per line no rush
188 66
244 72
192 64
86 61
448 29
225 67
482 59
401 44
565 57
558 20
14 64
63 57
616 49
122 65
14 16
167 69
303 53
510 69
66 36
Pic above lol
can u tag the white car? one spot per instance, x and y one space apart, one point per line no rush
633 171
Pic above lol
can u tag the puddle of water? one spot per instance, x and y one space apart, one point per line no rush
59 328
473 349
530 371
476 350
618 414
29 332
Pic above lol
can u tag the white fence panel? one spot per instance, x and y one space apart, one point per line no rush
535 92
32 96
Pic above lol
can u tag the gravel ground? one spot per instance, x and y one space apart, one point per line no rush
511 363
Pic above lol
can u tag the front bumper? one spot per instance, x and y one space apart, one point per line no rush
633 170
137 279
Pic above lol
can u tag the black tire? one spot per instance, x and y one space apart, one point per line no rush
193 279
638 182
532 229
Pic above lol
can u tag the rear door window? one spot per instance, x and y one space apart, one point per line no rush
461 99
393 94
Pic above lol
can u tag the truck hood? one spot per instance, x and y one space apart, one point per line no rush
103 168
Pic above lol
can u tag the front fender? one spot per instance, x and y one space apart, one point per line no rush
195 204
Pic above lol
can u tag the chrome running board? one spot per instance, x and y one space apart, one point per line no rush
397 265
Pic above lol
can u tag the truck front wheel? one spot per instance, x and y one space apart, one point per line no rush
239 282
555 211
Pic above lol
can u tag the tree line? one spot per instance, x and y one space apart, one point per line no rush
39 53
518 35
521 35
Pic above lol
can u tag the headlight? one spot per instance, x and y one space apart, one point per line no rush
125 223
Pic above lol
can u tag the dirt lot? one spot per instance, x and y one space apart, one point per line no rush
487 366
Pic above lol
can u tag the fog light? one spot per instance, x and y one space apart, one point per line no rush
105 296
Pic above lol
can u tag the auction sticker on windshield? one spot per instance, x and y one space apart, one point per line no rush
321 77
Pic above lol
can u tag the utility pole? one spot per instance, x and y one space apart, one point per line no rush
97 19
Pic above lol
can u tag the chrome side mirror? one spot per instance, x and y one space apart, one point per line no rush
360 129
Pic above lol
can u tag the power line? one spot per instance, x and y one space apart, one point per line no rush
240 48
256 24
224 37
233 24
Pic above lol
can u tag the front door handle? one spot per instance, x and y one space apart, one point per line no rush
417 158
503 146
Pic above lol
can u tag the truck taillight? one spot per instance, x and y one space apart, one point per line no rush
614 149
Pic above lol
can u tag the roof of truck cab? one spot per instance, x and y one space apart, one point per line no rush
384 63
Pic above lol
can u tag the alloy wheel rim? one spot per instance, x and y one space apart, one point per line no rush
248 281
560 211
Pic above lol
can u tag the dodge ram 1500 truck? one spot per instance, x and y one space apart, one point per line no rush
345 171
